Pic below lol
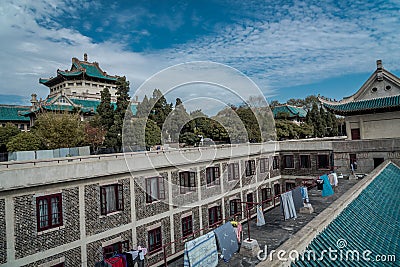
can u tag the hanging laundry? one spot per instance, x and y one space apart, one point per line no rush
260 216
327 188
133 257
287 205
116 261
304 193
226 240
102 264
201 251
320 184
335 179
331 179
297 198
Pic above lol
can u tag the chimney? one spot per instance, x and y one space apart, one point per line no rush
379 64
379 68
85 57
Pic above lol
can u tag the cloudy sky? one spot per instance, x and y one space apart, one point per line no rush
288 48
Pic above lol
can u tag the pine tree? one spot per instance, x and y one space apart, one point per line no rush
105 110
114 135
160 109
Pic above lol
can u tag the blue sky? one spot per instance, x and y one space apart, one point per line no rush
288 48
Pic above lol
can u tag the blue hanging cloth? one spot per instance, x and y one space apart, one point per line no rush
327 189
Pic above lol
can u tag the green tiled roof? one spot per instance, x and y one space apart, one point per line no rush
13 113
70 73
93 71
365 105
370 222
291 110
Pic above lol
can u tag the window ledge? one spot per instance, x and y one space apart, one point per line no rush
110 214
51 230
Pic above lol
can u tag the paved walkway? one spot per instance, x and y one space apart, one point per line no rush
276 230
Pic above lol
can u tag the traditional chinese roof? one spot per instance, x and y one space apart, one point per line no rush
380 93
85 105
370 222
390 103
83 69
13 113
291 110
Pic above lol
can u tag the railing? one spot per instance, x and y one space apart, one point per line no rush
125 154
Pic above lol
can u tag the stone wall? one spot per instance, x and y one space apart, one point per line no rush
143 209
28 240
71 257
97 223
94 250
179 199
142 238
180 245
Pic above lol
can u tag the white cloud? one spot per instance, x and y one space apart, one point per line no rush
276 45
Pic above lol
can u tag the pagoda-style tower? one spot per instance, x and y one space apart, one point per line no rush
85 80
373 112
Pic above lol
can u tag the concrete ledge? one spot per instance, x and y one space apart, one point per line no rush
304 236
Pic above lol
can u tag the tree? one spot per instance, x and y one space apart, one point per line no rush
140 134
24 141
94 136
274 103
105 110
177 122
143 109
296 102
113 137
160 108
59 130
189 139
247 116
6 133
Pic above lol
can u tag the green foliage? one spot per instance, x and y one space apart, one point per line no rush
247 116
289 130
189 139
94 134
59 130
141 134
6 133
24 141
113 137
160 108
177 122
105 111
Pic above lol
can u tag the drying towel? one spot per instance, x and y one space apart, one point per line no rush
227 240
304 193
327 189
297 198
260 216
201 251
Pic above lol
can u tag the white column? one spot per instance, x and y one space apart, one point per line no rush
82 224
171 207
133 211
10 234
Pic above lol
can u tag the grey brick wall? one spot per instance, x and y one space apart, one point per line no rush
97 223
204 212
247 180
208 191
94 250
142 239
227 207
313 171
72 258
228 185
179 199
27 240
3 239
143 209
180 245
